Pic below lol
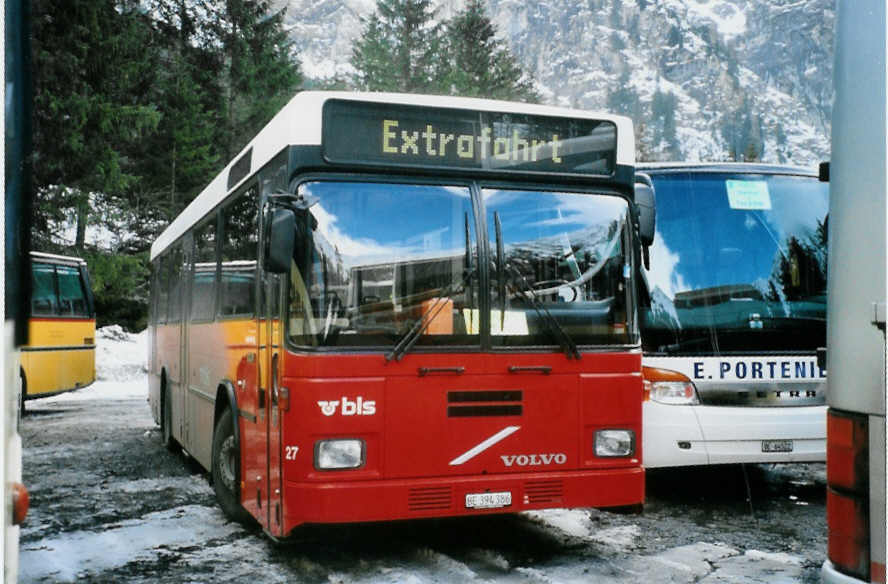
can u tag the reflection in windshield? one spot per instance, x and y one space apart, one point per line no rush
373 257
567 250
738 264
374 261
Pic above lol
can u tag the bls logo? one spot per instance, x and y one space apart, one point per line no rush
328 408
359 407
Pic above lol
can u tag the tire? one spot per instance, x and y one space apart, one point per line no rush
166 421
226 470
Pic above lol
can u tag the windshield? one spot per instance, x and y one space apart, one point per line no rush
738 264
564 253
373 259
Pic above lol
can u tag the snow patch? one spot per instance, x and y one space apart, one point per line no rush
573 522
74 556
577 523
121 367
778 557
620 537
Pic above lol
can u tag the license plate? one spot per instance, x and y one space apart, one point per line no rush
776 445
488 500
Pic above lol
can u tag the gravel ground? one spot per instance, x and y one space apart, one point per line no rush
110 504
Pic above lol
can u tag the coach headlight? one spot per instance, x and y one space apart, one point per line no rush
669 387
339 454
611 443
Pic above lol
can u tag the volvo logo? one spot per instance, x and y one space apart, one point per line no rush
533 459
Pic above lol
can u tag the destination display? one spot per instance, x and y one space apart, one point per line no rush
405 135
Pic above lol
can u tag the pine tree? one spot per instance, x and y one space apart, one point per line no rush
481 65
260 72
624 100
399 49
665 135
184 153
93 62
742 133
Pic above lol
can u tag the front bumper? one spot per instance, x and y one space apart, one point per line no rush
680 435
385 500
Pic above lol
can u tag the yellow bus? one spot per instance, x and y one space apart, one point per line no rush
61 351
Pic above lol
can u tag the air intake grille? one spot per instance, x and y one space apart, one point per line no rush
548 491
430 498
475 404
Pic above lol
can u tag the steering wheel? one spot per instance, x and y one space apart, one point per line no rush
557 283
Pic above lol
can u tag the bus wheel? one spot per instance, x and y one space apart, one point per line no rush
225 469
167 422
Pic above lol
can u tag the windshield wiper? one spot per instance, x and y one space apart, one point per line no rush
500 268
685 343
410 337
564 341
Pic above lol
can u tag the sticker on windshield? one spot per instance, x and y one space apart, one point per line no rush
748 195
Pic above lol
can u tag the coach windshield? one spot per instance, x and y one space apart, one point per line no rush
398 265
738 263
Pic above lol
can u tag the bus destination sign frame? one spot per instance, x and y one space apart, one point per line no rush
398 135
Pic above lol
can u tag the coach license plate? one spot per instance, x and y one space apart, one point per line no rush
776 445
488 500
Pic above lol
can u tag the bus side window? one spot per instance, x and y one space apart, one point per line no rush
240 242
43 296
175 302
152 295
72 296
163 290
203 289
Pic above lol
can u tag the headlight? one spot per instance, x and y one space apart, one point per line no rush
610 443
674 393
339 454
669 387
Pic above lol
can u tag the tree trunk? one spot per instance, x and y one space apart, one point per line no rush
82 212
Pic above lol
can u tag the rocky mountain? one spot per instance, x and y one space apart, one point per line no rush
702 79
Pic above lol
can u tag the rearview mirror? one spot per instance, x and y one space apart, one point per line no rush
645 200
281 238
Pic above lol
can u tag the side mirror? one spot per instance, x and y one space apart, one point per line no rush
281 238
645 199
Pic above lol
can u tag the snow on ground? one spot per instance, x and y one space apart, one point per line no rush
147 516
121 367
133 540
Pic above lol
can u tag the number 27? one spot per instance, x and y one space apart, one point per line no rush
291 452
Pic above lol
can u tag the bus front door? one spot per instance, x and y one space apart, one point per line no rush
269 362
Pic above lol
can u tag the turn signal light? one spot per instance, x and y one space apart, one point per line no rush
20 503
284 399
847 452
847 495
848 546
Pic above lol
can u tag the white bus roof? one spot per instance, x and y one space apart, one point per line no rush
56 259
299 123
747 167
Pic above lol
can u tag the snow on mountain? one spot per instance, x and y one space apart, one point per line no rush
702 79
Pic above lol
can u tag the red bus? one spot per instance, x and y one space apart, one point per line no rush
398 306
